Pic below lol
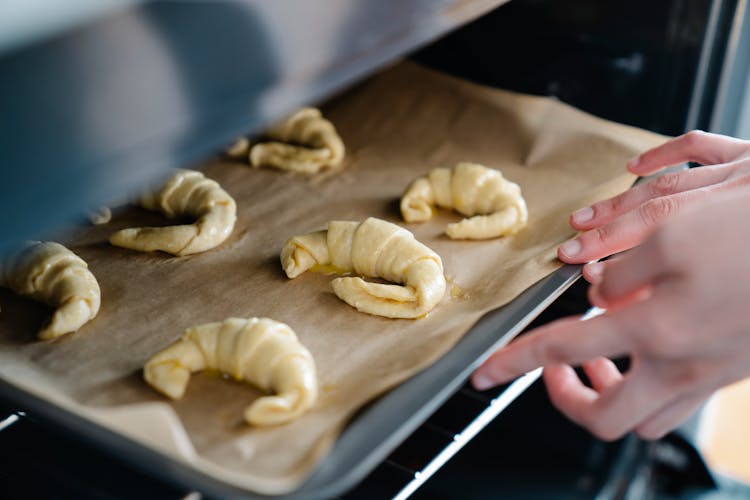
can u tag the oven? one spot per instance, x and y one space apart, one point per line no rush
667 67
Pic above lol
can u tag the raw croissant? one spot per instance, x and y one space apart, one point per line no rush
239 148
374 248
101 215
186 193
50 273
314 144
261 351
473 190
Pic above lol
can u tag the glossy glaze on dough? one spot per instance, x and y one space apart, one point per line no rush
50 273
494 205
261 351
305 143
374 249
186 193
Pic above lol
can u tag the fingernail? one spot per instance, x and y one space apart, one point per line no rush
594 270
571 247
584 214
634 162
482 382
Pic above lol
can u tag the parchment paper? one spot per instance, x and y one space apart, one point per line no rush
396 126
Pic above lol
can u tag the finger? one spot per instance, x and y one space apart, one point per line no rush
605 211
632 276
602 373
593 271
567 393
609 414
695 146
644 292
568 341
624 405
628 230
669 418
619 408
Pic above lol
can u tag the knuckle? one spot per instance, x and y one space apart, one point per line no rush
549 353
654 211
615 204
600 236
665 184
687 376
694 137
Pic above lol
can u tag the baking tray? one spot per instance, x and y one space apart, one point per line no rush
371 435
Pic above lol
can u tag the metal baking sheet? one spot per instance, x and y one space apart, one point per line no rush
368 439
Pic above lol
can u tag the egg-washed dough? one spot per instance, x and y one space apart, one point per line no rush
261 351
101 215
50 273
494 205
239 148
305 143
186 193
374 249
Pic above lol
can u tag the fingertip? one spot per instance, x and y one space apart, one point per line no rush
557 375
633 164
491 373
569 251
567 393
481 381
582 217
557 380
602 373
593 271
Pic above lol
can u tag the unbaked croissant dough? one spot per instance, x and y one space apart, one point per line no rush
101 215
305 142
50 273
377 249
186 193
496 204
239 148
261 351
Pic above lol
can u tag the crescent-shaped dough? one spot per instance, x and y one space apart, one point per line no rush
493 204
101 215
375 249
186 193
305 142
261 351
50 273
239 148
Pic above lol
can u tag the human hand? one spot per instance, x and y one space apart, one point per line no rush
622 222
677 305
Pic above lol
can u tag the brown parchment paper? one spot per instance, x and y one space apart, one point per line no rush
396 126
